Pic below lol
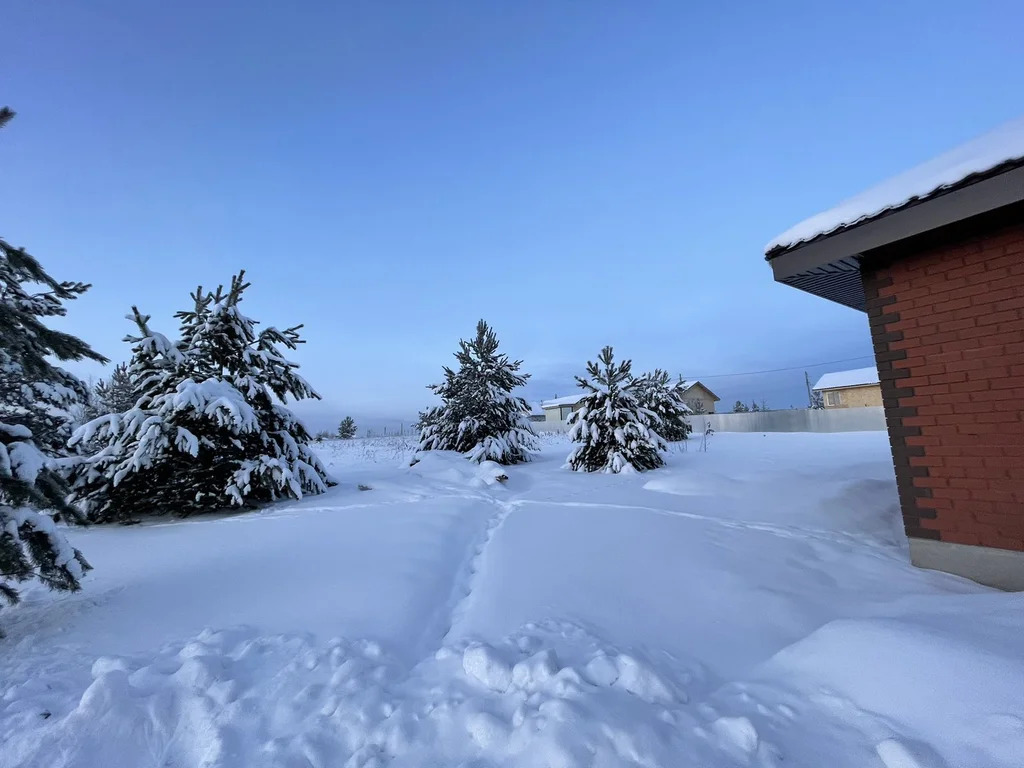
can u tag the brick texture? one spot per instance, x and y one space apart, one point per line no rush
947 324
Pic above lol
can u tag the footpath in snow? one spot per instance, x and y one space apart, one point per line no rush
749 606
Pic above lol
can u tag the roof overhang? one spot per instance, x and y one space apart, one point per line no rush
829 266
561 402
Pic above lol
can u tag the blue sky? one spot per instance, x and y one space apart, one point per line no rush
579 174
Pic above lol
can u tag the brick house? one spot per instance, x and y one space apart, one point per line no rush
935 258
858 388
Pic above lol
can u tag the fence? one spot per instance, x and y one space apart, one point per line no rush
871 419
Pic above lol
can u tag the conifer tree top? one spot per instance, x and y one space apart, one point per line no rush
483 348
21 310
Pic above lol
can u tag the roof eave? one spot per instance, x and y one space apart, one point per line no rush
829 266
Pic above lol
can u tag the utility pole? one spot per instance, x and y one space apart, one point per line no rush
810 399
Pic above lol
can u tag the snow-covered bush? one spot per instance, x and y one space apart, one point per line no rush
655 393
613 432
479 416
35 395
209 428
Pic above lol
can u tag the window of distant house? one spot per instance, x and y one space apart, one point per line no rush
832 398
564 411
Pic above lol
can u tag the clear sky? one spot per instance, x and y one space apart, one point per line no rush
577 173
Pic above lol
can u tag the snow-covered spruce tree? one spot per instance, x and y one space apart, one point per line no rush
32 493
479 416
116 394
654 392
347 428
47 401
613 431
209 428
222 344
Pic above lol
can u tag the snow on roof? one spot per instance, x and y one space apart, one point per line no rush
568 400
858 377
986 153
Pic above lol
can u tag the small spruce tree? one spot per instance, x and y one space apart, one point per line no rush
347 428
740 407
654 392
116 394
613 431
479 416
32 389
209 428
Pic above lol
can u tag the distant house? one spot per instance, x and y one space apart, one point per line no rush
536 412
559 409
934 258
697 397
858 388
700 398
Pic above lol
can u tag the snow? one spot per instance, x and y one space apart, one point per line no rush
61 551
980 155
18 431
218 399
26 461
858 377
567 400
483 663
748 606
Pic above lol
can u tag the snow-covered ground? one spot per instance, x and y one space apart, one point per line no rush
748 606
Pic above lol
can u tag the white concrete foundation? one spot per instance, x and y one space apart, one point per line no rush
1001 568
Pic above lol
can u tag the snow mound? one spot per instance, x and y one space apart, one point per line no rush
481 662
897 754
236 698
453 468
953 675
738 732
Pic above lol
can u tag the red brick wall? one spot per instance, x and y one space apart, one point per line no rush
947 323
